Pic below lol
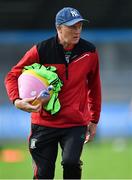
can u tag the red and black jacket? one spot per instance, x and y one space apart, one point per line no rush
80 96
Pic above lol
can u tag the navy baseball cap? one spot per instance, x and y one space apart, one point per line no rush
68 16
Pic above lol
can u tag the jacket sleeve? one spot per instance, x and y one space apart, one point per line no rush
94 92
11 78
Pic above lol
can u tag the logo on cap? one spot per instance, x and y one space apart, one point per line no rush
74 13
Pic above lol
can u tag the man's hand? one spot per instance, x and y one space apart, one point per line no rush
34 104
91 131
26 105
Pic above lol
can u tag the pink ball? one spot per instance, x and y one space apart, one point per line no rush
29 86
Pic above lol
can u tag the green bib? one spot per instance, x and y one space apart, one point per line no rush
49 73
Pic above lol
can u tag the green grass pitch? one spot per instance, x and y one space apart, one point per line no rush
102 160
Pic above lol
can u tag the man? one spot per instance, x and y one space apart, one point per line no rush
77 66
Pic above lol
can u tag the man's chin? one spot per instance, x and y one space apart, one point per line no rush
76 41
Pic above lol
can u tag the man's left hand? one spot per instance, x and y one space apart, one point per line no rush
91 132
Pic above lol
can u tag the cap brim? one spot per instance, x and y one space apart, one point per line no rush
74 21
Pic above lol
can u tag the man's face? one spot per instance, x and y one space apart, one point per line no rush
70 34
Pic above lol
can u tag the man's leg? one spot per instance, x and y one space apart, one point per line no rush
72 143
43 147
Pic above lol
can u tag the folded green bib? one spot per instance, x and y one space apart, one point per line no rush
53 106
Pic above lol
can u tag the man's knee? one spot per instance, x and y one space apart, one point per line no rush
72 169
71 162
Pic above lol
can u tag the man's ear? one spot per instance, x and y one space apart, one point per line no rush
59 28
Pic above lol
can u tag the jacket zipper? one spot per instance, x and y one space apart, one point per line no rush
67 60
67 63
66 71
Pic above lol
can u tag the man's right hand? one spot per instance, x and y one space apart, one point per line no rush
26 105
